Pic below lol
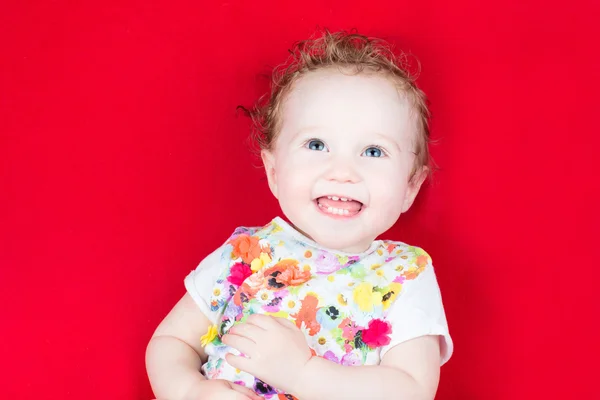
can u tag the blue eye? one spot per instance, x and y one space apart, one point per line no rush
373 152
316 145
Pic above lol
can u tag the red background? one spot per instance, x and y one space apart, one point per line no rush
122 164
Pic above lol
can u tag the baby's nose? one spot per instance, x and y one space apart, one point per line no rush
343 171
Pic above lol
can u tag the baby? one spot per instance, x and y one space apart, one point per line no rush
318 307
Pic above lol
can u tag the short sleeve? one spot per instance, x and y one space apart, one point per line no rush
419 311
200 282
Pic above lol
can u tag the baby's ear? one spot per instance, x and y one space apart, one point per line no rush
268 159
414 185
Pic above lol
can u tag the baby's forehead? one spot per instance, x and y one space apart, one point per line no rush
330 98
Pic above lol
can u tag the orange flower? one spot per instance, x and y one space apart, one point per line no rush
246 247
412 273
422 260
308 315
292 276
286 397
289 273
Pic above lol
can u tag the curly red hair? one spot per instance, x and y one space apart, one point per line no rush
348 51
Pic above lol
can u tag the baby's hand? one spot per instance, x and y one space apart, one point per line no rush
275 350
219 389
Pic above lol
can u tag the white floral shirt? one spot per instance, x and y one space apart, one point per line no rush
352 308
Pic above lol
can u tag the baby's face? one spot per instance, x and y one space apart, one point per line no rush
342 162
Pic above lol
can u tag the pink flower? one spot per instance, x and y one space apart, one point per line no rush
238 273
376 335
349 329
350 360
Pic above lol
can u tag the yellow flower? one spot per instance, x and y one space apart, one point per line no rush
390 294
260 262
209 336
365 297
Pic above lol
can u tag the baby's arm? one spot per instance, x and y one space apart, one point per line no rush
174 354
408 371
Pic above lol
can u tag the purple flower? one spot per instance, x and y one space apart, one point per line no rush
331 357
350 359
232 311
327 263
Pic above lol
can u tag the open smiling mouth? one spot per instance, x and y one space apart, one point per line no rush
339 206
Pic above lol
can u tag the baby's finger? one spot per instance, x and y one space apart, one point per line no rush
240 362
286 323
245 391
265 322
241 344
250 331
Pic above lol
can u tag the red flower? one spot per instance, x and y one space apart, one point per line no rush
376 335
238 274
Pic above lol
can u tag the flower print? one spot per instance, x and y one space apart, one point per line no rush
391 247
353 259
226 325
276 228
412 272
219 292
349 328
375 266
378 277
342 299
246 247
308 254
327 263
351 359
261 261
292 276
219 295
238 273
232 311
329 317
286 273
422 260
263 388
249 288
342 260
282 396
290 305
209 336
365 297
343 279
323 341
358 271
330 355
377 334
390 293
212 373
264 296
273 306
308 314
265 246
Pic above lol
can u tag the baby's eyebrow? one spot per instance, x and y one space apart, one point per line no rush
388 139
305 131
